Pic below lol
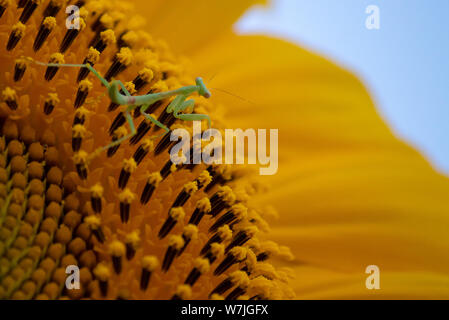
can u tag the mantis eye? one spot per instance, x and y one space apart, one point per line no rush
203 90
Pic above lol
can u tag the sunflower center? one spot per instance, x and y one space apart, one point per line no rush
40 220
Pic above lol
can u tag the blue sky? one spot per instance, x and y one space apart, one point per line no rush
405 64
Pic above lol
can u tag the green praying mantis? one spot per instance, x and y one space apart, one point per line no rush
178 105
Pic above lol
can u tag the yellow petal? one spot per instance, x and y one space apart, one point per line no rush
187 25
315 283
349 193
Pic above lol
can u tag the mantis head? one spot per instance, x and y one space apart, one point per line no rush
202 88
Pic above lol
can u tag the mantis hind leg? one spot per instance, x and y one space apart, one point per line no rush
156 122
86 65
122 86
130 121
97 74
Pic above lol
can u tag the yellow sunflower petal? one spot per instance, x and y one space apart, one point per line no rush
318 283
349 193
187 25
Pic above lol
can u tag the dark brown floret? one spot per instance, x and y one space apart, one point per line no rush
21 3
116 68
2 10
142 130
145 279
124 212
165 118
118 122
147 193
52 9
140 154
170 255
215 238
44 31
163 144
28 10
235 294
167 169
228 261
193 277
223 286
96 204
239 239
80 98
19 71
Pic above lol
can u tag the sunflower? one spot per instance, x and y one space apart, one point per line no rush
129 221
348 194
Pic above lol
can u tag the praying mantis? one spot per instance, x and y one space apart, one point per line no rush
178 105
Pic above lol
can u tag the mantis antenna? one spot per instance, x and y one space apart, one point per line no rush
233 95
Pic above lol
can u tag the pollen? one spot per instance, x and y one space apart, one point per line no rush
176 242
80 115
204 205
225 233
85 85
217 250
117 249
93 222
107 21
204 178
19 29
50 103
127 196
121 132
108 37
146 74
132 241
202 265
93 55
57 58
131 38
191 188
80 157
150 263
226 194
129 165
97 191
102 272
177 213
190 231
78 131
10 97
148 145
183 292
49 23
154 179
